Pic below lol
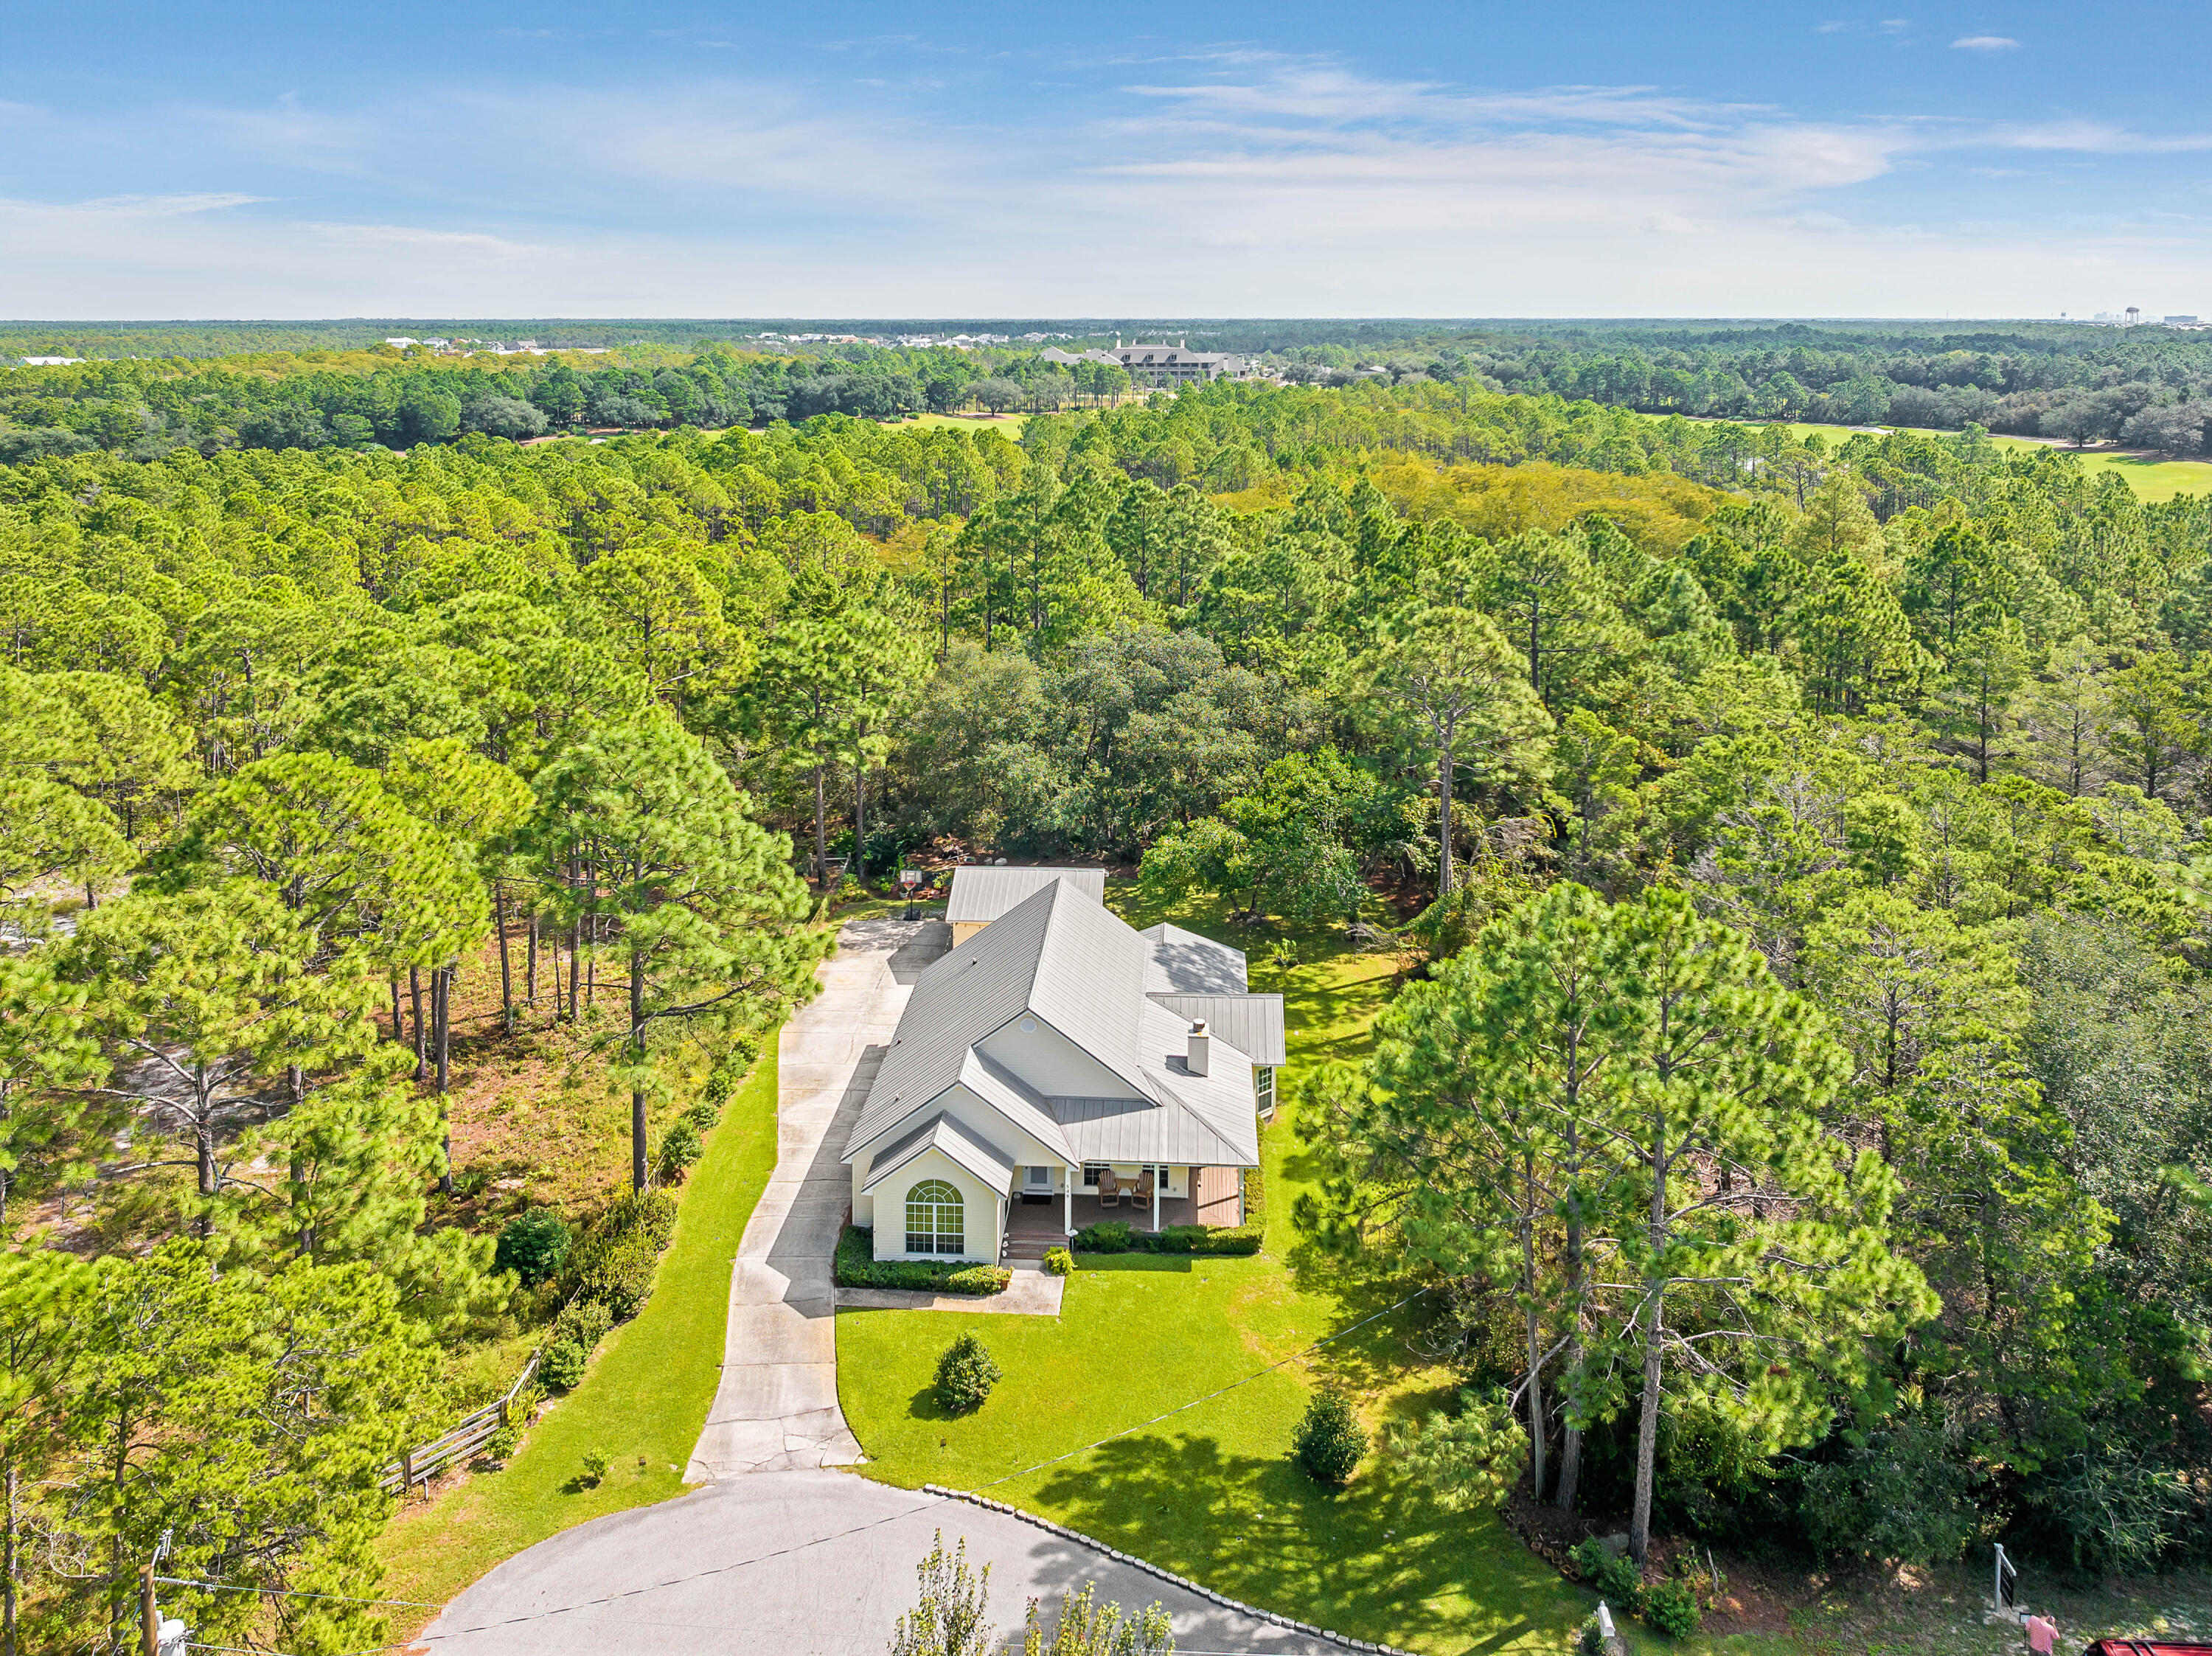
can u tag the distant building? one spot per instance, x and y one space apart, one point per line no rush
1174 364
2181 322
49 361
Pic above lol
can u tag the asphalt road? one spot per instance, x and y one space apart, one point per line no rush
794 1563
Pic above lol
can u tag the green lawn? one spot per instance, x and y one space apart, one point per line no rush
1012 424
2151 480
644 1399
1212 1493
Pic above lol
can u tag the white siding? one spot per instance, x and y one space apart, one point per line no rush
981 1218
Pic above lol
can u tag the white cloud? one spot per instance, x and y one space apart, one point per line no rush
1985 43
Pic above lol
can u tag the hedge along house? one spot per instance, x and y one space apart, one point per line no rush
1054 1043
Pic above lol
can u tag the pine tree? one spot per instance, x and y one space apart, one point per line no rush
638 831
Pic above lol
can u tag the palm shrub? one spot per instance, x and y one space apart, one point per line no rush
965 1374
534 1246
1330 1442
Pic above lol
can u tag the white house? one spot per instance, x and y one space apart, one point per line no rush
1053 1045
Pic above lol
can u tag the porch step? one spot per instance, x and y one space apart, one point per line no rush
1032 1247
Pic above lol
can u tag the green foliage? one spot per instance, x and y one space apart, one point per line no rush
1612 1575
1059 1262
1672 1608
1120 1236
1329 1441
614 1270
582 1323
857 1266
561 1365
1896 1493
1087 1628
680 1149
499 1448
1467 1459
951 1615
592 1470
534 1246
965 1374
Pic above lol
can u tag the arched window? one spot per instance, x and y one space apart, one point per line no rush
936 1221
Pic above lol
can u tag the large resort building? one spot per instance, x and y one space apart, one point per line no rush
1158 364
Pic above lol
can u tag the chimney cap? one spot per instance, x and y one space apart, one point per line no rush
1198 1025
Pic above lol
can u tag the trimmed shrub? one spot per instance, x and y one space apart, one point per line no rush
1330 1442
1613 1576
534 1246
1672 1609
616 1271
679 1150
1120 1236
1256 1199
562 1365
857 1267
595 1467
583 1323
965 1374
1059 1262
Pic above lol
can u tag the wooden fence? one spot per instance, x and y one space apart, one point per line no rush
421 1465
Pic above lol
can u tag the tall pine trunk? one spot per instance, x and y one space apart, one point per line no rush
422 1049
637 1056
860 807
821 832
530 971
443 992
1444 818
505 960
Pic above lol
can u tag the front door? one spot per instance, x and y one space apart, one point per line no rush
1037 1181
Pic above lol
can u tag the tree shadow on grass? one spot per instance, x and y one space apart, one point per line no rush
1367 1560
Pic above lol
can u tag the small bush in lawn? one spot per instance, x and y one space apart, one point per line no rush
595 1466
1612 1575
562 1365
534 1246
1330 1442
583 1323
1672 1609
1059 1262
679 1150
965 1374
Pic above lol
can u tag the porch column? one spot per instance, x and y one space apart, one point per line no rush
1068 1189
1159 1193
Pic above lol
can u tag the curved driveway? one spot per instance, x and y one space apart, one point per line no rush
777 1553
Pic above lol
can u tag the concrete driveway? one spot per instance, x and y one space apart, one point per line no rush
776 1409
777 1553
800 1563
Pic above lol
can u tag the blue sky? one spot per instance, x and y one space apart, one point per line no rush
1997 158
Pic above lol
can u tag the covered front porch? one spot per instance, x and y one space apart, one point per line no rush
1216 1199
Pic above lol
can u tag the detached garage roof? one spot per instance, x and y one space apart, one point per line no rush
981 893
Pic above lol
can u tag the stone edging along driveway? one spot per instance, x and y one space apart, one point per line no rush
1168 1576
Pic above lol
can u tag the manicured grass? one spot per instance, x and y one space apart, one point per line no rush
1012 424
644 1399
1210 1492
2152 481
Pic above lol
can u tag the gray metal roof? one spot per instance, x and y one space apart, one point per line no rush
980 893
1252 1024
1079 968
1184 963
965 1148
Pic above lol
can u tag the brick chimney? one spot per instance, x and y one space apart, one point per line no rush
1198 1053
